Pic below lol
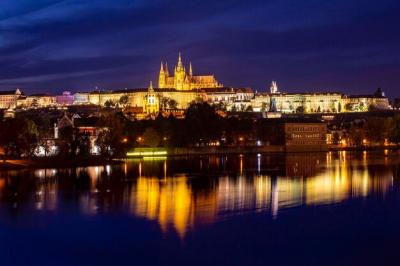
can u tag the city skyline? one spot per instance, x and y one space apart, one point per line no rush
346 46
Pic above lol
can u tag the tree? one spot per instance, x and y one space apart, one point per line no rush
202 123
357 134
110 136
335 138
172 104
35 103
151 137
300 110
18 136
220 106
109 104
263 107
82 144
377 129
164 102
394 133
349 107
123 101
249 108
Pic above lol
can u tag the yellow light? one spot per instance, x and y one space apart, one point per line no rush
146 153
241 139
125 140
386 142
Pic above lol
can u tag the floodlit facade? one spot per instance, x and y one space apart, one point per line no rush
182 80
8 99
299 102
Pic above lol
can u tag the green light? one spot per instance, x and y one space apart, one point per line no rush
144 153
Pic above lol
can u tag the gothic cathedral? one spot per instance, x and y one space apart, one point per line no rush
183 81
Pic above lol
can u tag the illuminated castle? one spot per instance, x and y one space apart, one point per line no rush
184 81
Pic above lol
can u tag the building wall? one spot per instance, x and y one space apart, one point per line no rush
9 99
318 102
100 98
65 99
81 98
40 101
305 134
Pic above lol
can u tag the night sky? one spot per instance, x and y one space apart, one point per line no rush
351 46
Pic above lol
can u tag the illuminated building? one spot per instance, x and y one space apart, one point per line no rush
318 102
302 134
181 80
363 103
329 102
36 100
65 99
151 101
8 99
183 88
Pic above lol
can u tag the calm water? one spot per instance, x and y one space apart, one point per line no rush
301 209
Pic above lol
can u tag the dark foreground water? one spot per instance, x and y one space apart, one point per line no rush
300 209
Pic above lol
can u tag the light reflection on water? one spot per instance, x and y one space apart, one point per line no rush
180 194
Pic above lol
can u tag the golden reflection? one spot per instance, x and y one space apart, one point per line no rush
180 203
170 201
321 179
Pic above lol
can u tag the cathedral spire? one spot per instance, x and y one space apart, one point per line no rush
162 68
190 69
166 69
151 89
180 65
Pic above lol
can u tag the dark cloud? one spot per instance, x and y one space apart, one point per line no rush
350 46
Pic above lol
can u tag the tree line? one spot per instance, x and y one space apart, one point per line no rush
202 126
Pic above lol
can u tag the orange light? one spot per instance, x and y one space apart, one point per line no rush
343 142
386 142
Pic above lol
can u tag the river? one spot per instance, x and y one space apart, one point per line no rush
334 208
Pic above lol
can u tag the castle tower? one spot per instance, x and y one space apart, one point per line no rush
274 87
162 77
151 103
179 74
182 80
190 69
166 70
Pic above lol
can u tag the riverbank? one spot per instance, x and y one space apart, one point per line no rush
14 164
54 162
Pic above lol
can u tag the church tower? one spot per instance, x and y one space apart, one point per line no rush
181 80
151 103
274 88
179 74
162 77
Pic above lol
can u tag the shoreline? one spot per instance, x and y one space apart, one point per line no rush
54 162
35 163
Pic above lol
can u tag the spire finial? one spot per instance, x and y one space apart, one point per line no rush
190 69
151 86
162 67
180 65
166 69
